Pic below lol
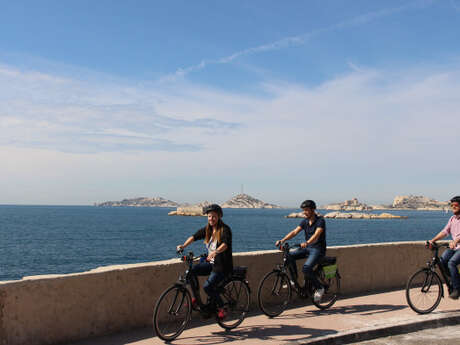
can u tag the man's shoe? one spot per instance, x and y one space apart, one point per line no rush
454 294
318 294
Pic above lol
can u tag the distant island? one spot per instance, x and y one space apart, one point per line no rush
139 202
351 215
238 201
405 202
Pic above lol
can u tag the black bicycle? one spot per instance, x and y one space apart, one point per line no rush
173 309
275 288
424 288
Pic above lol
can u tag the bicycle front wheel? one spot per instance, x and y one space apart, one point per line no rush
235 296
331 290
424 291
172 313
274 293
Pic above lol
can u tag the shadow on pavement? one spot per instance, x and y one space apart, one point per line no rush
263 332
362 309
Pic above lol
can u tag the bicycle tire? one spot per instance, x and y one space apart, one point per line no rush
236 298
424 291
172 313
331 290
274 293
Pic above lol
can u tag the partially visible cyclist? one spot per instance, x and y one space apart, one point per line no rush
451 256
219 263
313 249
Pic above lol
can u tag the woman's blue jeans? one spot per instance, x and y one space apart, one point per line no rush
313 256
211 284
450 259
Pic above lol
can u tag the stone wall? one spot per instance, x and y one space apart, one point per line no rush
60 308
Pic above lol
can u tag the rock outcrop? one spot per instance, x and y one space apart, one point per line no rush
359 215
190 210
347 205
140 202
350 215
246 201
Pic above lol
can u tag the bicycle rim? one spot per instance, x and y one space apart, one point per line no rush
235 296
172 313
331 290
424 291
274 293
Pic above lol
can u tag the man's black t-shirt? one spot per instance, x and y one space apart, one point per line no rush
309 230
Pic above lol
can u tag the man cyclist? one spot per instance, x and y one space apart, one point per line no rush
451 256
313 249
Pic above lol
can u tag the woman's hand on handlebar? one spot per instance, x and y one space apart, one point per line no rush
279 244
211 256
179 248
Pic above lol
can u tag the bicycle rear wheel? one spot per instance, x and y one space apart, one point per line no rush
424 291
172 313
235 296
331 290
274 293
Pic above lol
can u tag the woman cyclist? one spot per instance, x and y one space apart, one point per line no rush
219 263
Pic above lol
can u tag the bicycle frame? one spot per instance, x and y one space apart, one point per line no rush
436 262
289 271
185 279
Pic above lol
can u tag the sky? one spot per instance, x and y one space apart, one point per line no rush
198 100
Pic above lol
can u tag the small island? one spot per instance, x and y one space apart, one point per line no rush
351 215
139 202
238 201
404 202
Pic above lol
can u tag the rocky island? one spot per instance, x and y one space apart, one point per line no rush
246 201
351 215
139 202
418 202
238 201
405 202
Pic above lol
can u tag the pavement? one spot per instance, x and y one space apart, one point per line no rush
365 318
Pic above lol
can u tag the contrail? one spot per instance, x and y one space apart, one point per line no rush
302 38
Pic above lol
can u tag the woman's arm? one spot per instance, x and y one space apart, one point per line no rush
186 243
222 248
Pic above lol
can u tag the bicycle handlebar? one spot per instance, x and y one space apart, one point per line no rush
434 245
286 246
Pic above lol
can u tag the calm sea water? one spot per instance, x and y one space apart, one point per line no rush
64 239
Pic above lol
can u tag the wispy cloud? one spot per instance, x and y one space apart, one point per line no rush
44 111
303 38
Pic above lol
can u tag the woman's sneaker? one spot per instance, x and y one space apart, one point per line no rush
221 313
454 294
318 294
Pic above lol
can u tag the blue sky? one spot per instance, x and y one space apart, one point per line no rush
326 100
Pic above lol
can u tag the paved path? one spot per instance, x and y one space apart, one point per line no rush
355 318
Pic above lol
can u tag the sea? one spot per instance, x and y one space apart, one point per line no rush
37 240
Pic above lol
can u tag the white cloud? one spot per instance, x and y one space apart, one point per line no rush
361 134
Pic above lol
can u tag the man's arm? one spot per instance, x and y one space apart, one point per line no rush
314 238
439 236
290 235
